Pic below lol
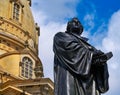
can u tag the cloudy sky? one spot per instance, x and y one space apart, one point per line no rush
101 21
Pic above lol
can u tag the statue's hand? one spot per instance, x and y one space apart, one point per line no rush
100 52
97 53
109 55
101 59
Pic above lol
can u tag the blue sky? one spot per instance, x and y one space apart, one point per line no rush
101 21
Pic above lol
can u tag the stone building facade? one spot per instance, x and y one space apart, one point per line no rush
21 70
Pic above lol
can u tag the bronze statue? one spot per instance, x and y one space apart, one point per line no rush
79 68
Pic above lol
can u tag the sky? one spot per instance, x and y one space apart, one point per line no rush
101 21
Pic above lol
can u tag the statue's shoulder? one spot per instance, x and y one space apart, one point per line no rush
62 37
61 34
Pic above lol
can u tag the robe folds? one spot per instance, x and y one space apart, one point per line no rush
74 72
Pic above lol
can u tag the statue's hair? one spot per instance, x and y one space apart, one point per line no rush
69 24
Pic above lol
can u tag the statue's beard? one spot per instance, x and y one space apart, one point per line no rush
76 30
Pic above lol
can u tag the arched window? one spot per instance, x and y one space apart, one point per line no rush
16 11
27 67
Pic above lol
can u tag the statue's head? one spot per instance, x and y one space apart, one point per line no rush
75 26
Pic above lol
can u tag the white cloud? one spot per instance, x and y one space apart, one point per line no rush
45 46
47 32
113 37
56 9
89 19
89 24
111 43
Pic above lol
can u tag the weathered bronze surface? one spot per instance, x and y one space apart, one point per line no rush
79 68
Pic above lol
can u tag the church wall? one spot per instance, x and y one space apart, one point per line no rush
24 28
11 64
19 61
4 7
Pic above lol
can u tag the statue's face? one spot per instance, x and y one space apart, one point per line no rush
75 26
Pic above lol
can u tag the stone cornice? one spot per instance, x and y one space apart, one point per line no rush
29 82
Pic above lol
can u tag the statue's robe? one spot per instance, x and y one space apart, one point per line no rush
74 72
